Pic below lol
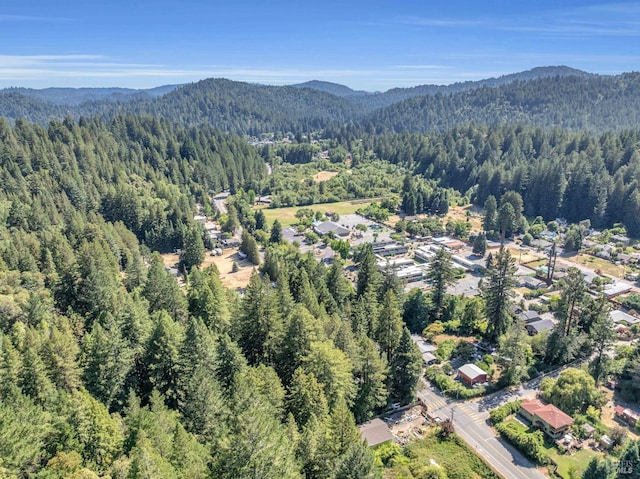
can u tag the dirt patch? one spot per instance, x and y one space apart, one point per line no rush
608 416
442 337
523 256
224 263
468 213
324 176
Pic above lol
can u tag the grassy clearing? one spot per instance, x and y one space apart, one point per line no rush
287 216
566 462
598 263
465 213
452 454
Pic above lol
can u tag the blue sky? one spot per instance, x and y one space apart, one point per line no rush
370 45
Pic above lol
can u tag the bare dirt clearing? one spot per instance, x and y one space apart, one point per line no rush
224 263
324 176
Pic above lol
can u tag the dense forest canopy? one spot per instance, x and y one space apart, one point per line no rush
109 368
545 97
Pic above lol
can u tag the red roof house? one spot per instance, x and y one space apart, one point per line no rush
547 417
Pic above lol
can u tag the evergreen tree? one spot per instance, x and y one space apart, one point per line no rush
566 339
109 360
249 246
162 358
261 220
207 299
628 466
405 369
306 398
497 293
515 355
192 249
480 245
440 274
370 378
259 326
490 220
600 469
389 327
415 314
276 232
368 274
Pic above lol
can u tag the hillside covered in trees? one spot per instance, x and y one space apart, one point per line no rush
109 369
545 97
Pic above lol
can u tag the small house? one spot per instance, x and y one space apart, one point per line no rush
529 316
620 317
471 374
429 359
539 326
554 422
375 432
532 283
606 442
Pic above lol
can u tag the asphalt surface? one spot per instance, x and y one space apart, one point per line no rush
470 422
470 419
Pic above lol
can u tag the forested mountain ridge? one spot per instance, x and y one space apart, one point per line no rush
250 109
594 103
374 101
76 96
545 97
332 88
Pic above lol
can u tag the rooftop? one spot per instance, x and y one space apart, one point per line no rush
618 316
471 371
375 432
541 325
550 414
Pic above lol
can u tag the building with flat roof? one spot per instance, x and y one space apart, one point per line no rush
375 432
327 227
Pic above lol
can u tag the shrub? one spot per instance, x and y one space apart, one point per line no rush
529 443
500 413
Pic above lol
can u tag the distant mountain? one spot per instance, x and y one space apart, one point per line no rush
588 102
248 108
77 96
379 100
332 88
546 97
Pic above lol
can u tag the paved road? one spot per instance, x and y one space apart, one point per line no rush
221 202
470 419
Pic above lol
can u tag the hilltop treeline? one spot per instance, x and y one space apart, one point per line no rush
546 98
558 173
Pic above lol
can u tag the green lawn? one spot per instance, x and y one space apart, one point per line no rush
457 459
580 460
287 216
